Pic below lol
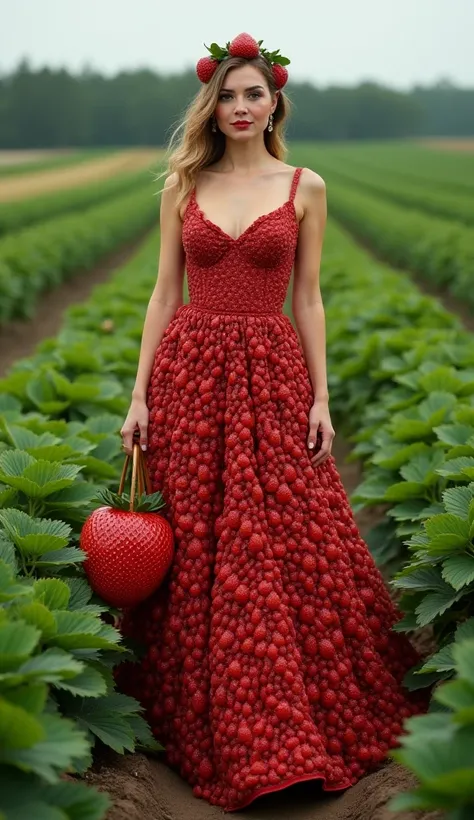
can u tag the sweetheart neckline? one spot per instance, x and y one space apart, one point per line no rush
256 221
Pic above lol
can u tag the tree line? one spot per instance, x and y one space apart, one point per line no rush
47 108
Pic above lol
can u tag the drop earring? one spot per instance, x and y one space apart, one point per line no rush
213 125
270 123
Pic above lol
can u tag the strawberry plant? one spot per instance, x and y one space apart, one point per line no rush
439 747
440 250
421 195
40 257
21 213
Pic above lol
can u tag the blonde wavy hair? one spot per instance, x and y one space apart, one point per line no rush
193 145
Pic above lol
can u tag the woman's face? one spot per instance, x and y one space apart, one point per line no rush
244 103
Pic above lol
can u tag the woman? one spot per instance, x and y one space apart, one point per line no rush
269 652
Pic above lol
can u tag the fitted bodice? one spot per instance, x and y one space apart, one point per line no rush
247 274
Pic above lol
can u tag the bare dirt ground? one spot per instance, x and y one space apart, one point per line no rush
56 179
453 144
24 156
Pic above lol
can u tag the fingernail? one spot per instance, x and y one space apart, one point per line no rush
310 445
143 446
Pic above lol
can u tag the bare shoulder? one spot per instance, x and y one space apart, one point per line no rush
169 193
171 180
312 184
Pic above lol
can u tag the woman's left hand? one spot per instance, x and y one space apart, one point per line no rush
320 420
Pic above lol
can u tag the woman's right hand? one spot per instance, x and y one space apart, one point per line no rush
137 418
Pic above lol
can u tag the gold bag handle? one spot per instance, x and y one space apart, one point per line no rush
140 477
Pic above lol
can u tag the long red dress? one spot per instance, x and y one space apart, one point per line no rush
269 652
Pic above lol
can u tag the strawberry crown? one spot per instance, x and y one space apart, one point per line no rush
246 47
219 53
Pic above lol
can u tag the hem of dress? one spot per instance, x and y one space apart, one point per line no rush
285 784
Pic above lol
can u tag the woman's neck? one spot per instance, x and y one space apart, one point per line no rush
245 159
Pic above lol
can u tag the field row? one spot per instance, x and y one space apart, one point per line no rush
441 170
40 257
24 212
437 249
426 195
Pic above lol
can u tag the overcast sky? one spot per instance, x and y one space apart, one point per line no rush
396 42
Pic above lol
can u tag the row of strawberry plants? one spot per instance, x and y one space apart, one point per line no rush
424 196
24 212
416 163
40 257
437 249
60 412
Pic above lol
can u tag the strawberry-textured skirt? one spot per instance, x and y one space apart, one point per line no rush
269 653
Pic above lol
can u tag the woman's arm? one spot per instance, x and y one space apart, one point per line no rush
308 309
167 295
166 298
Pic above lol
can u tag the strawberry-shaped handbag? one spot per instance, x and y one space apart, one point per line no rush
129 545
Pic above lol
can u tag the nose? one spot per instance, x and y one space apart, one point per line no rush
240 106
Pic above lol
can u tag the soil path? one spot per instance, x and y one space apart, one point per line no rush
21 156
56 179
466 145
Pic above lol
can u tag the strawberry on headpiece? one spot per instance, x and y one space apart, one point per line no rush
242 46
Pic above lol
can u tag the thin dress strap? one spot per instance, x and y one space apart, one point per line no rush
294 184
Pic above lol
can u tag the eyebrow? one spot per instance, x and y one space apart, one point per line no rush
251 88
